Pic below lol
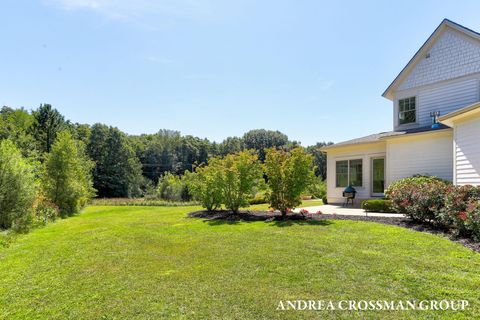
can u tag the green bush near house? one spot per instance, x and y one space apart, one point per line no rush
419 197
325 199
378 205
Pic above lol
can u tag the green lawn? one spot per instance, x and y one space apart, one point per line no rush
154 262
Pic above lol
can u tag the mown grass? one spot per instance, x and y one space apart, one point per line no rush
266 206
154 262
142 202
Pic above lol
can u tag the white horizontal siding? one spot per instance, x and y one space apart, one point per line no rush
446 98
364 152
429 154
467 152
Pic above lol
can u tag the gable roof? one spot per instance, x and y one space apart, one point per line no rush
388 93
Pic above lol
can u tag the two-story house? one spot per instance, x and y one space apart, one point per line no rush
436 122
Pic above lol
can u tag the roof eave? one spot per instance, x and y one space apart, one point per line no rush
451 117
397 136
388 93
333 146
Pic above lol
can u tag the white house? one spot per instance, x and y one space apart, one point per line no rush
441 82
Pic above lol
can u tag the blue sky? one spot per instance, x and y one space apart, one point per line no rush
314 70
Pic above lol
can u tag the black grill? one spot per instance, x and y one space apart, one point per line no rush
349 195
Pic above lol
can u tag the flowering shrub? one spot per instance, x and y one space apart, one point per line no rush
462 210
319 212
429 199
304 212
421 198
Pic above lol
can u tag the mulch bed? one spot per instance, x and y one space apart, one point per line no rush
229 216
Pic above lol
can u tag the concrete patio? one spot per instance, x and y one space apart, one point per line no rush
336 209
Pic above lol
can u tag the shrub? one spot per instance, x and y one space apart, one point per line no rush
260 198
67 179
377 205
172 188
205 184
325 199
304 212
241 175
317 189
289 174
420 197
17 187
462 210
231 181
45 211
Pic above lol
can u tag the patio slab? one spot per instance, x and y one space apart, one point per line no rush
334 209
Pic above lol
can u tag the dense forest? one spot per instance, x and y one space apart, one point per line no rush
130 165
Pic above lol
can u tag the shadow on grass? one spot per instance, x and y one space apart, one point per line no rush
219 222
224 217
273 223
289 223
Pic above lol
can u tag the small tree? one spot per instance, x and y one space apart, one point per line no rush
172 188
67 179
289 174
205 184
241 174
230 181
17 186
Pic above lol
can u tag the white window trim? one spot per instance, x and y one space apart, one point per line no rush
377 194
397 115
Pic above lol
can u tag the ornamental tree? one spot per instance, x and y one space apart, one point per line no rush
205 184
289 174
230 181
241 174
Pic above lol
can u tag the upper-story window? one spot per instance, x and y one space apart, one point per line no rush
406 111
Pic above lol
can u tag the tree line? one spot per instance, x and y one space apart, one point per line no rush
127 165
70 162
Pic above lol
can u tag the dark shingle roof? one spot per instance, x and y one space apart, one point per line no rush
376 137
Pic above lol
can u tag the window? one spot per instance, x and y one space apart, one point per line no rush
406 111
349 172
342 173
355 174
